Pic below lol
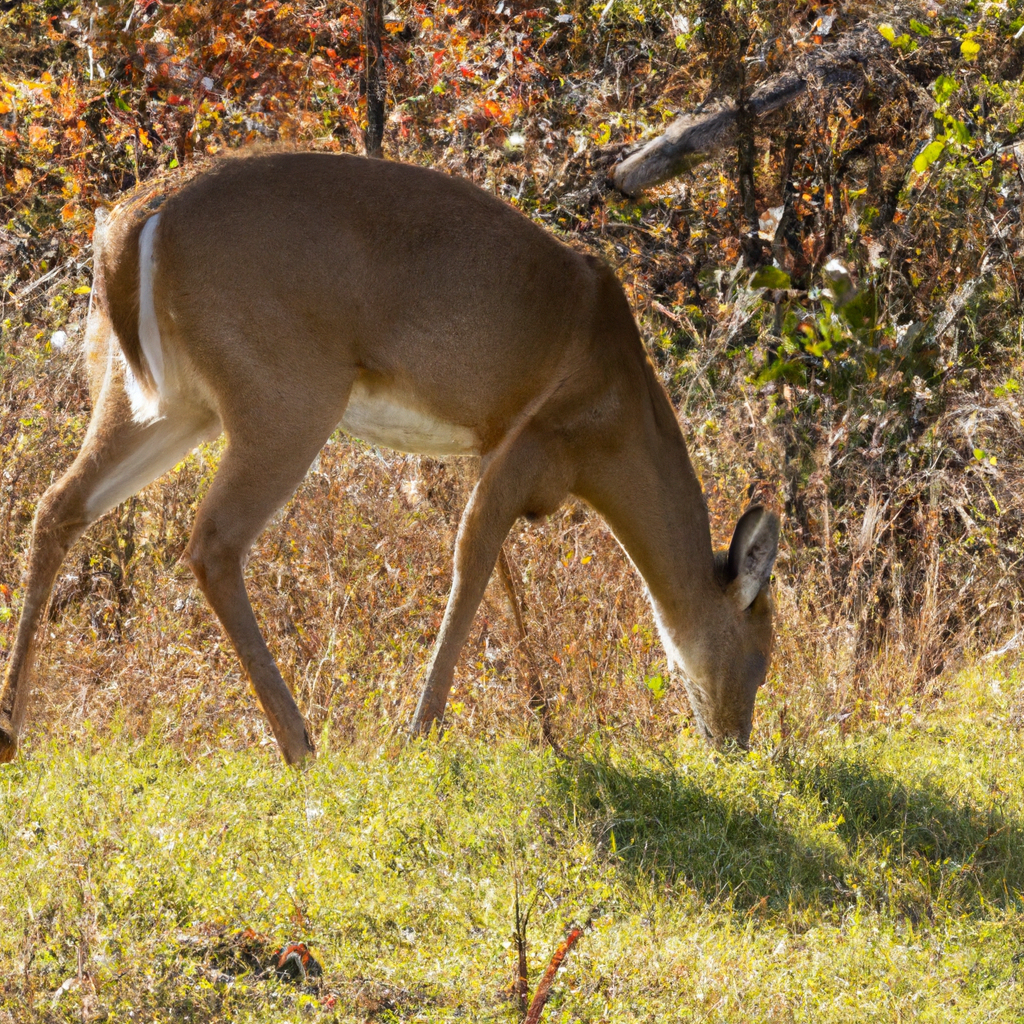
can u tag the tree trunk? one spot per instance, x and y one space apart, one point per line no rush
376 82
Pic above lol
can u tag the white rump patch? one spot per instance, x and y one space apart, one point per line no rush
383 417
149 330
145 407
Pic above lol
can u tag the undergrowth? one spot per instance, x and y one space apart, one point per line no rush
853 359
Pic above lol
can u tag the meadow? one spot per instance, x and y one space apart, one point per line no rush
872 878
833 305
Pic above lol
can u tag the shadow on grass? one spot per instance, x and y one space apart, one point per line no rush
862 835
662 822
978 851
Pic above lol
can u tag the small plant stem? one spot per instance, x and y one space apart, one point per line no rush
540 997
521 985
538 699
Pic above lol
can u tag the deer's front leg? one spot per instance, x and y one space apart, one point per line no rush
526 477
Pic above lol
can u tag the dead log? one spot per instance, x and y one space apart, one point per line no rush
692 138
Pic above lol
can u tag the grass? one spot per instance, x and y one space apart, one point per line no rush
876 877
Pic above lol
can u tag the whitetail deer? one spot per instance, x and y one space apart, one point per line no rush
277 296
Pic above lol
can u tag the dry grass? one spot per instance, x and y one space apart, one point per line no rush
350 579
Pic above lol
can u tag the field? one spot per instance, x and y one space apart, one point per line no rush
832 301
875 878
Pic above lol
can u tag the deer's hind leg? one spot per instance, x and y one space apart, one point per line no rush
271 444
119 456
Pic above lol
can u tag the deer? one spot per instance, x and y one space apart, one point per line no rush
272 298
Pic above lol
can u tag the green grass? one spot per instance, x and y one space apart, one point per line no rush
878 877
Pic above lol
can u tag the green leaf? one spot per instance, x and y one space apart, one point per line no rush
929 155
657 686
791 370
944 87
957 131
969 49
770 277
920 27
861 312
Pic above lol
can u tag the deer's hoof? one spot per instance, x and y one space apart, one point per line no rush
301 754
8 743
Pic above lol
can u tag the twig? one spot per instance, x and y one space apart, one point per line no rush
538 699
540 997
39 281
959 299
1011 645
72 264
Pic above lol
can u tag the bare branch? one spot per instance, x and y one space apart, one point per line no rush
692 138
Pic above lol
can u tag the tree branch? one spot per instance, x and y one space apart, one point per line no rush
692 138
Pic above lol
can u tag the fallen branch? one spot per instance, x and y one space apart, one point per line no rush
692 138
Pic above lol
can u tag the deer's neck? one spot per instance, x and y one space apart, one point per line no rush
676 561
652 500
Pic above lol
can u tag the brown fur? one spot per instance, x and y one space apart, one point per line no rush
282 284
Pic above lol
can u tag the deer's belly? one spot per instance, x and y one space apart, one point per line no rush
381 417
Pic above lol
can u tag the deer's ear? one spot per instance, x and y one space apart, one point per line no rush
755 543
